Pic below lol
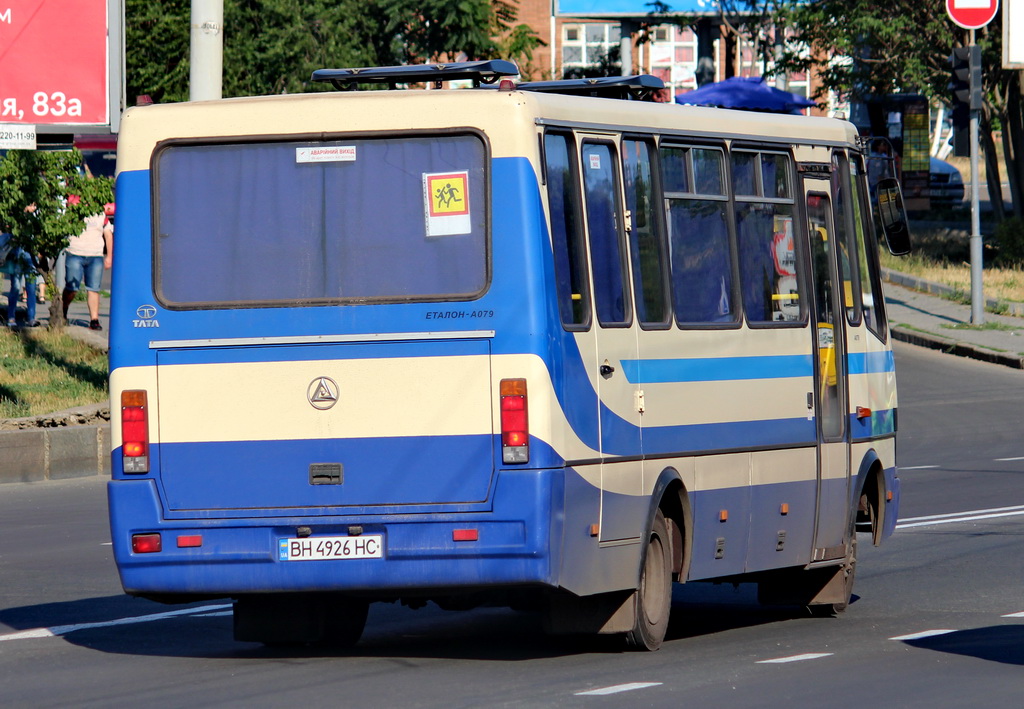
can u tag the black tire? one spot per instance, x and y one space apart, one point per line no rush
653 597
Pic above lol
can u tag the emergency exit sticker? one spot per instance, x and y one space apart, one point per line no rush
446 203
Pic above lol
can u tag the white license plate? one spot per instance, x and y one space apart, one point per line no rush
370 546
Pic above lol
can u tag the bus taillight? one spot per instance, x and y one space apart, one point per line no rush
515 430
134 431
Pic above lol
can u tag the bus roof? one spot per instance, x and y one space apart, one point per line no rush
496 112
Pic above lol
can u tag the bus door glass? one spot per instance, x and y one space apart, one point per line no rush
618 405
828 316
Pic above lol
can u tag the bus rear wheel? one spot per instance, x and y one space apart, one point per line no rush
653 597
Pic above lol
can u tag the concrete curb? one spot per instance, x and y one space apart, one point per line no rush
54 453
955 347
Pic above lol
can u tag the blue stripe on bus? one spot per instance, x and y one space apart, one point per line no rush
871 362
717 369
666 440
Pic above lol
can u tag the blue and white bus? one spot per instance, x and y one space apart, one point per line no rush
521 344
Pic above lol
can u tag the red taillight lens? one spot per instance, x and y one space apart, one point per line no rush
190 540
146 543
515 429
134 431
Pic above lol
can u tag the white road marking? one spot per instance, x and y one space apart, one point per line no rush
923 634
795 658
65 629
1014 615
917 467
617 688
1008 460
968 516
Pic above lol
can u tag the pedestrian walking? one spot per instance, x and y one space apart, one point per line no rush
86 256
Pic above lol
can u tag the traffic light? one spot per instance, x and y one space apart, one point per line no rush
965 65
965 88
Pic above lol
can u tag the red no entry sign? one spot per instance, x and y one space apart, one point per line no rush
972 14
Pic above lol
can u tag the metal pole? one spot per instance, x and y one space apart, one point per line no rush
626 46
207 50
977 290
553 43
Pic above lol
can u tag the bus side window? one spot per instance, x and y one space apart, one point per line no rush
843 224
866 249
769 278
604 220
570 256
698 231
645 234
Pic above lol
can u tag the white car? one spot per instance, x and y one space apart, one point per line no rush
946 183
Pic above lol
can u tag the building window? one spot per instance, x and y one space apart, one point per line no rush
674 58
588 44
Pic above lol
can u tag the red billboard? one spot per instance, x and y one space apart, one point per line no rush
54 58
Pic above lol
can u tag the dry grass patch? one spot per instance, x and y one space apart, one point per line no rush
42 372
1000 283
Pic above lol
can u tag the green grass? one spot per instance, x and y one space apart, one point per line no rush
983 326
940 258
42 372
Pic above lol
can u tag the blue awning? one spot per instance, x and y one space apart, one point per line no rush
745 93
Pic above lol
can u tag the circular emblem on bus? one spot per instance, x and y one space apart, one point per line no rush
146 312
322 393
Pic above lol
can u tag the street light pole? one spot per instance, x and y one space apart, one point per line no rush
977 253
206 50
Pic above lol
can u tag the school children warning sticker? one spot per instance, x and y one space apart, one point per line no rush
446 203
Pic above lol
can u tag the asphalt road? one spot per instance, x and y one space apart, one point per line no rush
68 637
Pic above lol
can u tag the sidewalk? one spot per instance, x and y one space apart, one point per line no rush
78 315
929 320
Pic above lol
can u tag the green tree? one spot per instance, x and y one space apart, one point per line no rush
904 46
273 46
62 196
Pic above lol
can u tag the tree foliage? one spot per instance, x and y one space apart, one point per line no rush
52 181
273 46
904 46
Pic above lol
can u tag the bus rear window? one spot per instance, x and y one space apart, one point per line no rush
286 223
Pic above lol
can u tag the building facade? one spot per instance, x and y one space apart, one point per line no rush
578 46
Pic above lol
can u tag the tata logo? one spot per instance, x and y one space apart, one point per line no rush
147 316
322 393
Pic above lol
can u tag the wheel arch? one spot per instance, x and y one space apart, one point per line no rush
869 495
673 499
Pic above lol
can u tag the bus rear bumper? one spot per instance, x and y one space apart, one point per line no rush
420 552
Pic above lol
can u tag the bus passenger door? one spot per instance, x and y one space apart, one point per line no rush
829 396
623 508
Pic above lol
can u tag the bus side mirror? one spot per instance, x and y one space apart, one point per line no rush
895 226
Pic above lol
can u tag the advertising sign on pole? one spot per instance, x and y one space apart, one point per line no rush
972 14
60 63
1013 34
